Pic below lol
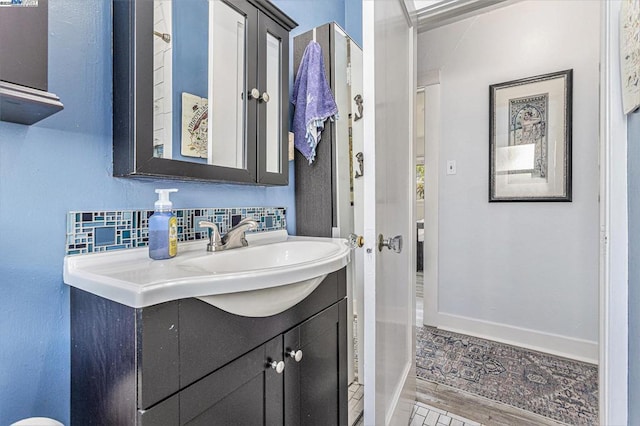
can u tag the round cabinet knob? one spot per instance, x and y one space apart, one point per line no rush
297 355
265 97
278 366
254 93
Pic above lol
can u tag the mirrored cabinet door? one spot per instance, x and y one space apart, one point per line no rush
201 90
272 131
273 106
233 114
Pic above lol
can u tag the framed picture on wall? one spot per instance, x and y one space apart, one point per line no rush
530 138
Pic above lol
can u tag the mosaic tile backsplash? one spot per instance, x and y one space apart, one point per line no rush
98 231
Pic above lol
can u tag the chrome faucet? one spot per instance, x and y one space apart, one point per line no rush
234 238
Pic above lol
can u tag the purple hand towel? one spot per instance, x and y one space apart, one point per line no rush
313 101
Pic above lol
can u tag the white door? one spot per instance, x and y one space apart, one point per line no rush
389 313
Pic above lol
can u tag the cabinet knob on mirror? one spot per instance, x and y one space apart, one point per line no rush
254 93
297 355
278 366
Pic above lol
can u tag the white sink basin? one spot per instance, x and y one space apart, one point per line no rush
274 273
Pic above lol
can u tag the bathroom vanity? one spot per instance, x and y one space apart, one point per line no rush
188 362
252 335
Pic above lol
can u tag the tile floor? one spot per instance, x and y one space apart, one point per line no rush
425 415
422 415
356 401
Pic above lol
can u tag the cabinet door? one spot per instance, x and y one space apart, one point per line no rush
273 106
164 414
247 391
234 74
316 385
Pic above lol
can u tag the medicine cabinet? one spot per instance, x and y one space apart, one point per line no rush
201 90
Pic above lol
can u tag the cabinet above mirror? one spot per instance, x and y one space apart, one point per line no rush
201 90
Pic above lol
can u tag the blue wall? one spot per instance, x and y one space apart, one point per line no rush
353 17
65 163
190 62
633 159
309 14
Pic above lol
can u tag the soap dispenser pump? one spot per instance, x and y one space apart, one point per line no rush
163 228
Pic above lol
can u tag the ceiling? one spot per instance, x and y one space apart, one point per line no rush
435 13
424 3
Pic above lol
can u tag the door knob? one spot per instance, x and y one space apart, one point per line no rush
297 355
394 243
265 97
355 241
278 366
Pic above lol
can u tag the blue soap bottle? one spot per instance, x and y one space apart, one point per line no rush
163 228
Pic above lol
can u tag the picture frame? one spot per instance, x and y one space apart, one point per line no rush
195 117
630 55
530 138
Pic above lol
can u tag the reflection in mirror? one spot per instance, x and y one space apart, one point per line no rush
162 91
273 102
180 80
227 86
419 149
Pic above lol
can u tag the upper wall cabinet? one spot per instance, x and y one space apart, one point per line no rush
201 90
24 98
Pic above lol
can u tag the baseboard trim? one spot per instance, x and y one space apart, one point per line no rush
554 344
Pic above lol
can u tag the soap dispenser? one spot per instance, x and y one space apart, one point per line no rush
163 228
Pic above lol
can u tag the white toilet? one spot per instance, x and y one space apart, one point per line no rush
37 421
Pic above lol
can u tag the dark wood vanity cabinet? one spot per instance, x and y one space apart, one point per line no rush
315 387
187 362
244 392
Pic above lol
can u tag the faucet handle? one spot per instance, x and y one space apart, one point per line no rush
253 224
215 241
235 237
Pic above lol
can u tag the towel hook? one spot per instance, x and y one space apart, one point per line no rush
358 99
360 158
314 34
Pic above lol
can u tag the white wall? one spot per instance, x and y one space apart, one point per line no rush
521 272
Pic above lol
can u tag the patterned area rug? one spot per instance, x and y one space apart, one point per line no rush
557 388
